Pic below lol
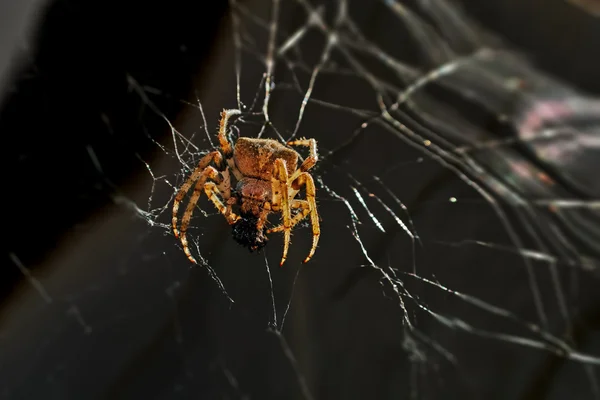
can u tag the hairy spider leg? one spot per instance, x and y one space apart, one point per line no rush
279 183
202 164
208 173
214 194
224 142
313 156
262 219
303 204
306 180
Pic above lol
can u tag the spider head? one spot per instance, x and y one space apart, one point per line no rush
246 233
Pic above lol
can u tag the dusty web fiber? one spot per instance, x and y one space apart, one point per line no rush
455 235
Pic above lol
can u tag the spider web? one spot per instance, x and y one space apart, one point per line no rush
328 48
460 230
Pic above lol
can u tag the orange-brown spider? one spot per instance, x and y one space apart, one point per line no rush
268 180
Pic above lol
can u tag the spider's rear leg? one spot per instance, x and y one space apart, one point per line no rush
306 180
207 173
313 156
281 198
202 164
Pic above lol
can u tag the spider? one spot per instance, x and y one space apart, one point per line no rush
268 180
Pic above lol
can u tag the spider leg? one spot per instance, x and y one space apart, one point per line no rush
202 164
279 183
303 204
208 173
213 193
224 142
306 180
313 156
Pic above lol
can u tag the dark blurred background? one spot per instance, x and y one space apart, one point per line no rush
75 131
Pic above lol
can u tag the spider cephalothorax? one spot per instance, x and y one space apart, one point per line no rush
268 180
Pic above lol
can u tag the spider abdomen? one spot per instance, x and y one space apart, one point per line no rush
255 157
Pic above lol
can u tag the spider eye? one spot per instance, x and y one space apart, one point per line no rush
246 233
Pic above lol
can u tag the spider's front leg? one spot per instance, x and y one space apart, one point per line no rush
306 180
281 198
223 141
